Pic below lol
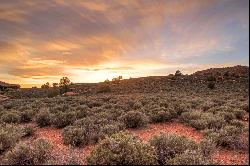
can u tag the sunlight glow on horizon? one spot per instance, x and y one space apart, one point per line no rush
94 40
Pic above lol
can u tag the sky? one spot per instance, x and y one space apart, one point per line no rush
95 40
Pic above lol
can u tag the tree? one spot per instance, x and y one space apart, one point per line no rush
55 85
64 81
45 86
178 73
64 85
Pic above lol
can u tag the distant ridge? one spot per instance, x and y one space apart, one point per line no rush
235 70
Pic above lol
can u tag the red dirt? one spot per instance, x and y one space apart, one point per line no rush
62 153
173 128
227 157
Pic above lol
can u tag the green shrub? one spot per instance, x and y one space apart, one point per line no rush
228 116
63 119
134 119
207 147
168 146
228 137
75 136
190 157
43 118
25 154
9 135
180 108
103 88
160 115
239 113
190 115
53 92
122 149
200 120
237 123
27 131
11 117
211 85
26 116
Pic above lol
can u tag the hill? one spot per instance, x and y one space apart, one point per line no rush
225 79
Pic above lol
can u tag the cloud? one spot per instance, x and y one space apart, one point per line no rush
40 39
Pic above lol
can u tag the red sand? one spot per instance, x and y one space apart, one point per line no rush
228 157
173 128
62 153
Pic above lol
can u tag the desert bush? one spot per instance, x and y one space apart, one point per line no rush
26 116
27 131
190 115
122 149
43 118
200 120
168 146
104 88
237 123
111 129
8 105
228 116
160 115
211 78
207 105
9 135
239 113
207 147
134 119
211 85
53 92
63 119
190 157
24 154
181 107
75 136
229 137
11 117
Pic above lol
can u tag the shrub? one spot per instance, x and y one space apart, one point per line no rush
190 157
53 92
237 123
110 129
181 107
228 116
160 115
75 136
134 119
239 113
27 131
211 85
24 154
122 149
26 116
229 137
190 115
200 120
10 117
207 147
168 146
9 135
63 119
211 78
104 88
43 118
